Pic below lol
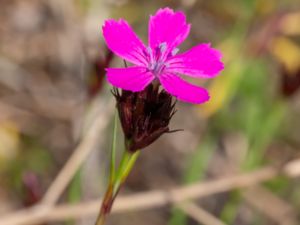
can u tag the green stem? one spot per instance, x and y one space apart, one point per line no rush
113 150
126 164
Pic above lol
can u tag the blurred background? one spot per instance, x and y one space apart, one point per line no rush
53 88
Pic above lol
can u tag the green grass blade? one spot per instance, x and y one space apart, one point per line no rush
113 150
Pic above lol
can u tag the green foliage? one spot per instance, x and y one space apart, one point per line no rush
33 158
229 212
197 164
74 191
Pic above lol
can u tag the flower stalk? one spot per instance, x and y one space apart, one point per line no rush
117 177
127 162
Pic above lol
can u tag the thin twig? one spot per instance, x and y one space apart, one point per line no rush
152 199
198 214
77 158
270 205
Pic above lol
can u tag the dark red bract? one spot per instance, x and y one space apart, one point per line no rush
144 115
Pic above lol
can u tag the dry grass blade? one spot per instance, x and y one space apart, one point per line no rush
78 157
152 198
270 205
200 215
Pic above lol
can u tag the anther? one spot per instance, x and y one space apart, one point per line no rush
149 50
175 51
163 47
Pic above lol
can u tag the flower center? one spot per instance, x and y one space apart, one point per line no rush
157 61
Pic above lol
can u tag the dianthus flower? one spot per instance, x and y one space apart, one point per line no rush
160 61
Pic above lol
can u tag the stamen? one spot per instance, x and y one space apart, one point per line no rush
175 51
157 58
152 60
163 47
149 50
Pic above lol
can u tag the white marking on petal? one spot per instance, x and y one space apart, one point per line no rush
175 51
163 47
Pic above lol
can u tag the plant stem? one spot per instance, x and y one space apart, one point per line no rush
113 150
126 164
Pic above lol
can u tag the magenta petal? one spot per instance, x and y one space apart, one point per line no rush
131 78
122 40
200 61
183 90
169 27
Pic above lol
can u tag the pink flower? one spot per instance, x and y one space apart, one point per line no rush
160 61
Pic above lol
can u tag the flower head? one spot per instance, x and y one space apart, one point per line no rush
144 115
160 60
